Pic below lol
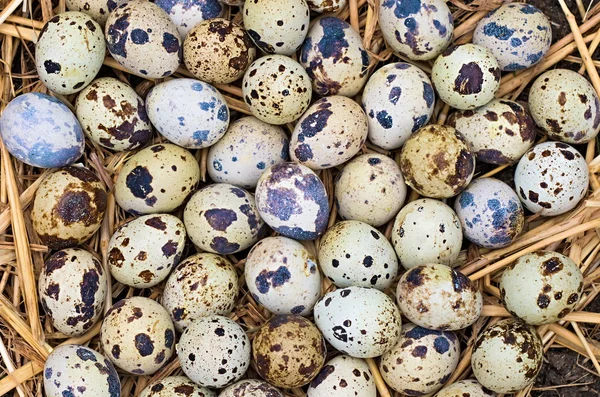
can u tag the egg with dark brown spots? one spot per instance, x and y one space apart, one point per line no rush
251 388
188 14
326 5
343 376
174 386
467 386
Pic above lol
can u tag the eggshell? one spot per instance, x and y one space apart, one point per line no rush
470 386
174 385
326 5
188 14
343 376
97 9
251 388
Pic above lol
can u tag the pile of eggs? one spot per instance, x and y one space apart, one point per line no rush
301 80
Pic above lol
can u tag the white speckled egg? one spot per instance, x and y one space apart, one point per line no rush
214 351
519 35
371 189
247 148
358 321
343 376
551 178
251 388
469 386
330 133
277 89
175 385
466 76
507 356
97 9
283 276
416 29
398 99
143 39
326 5
541 287
137 335
54 136
435 296
188 14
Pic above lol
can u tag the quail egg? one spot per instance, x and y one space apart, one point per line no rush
462 387
97 9
251 388
187 14
175 385
326 5
343 376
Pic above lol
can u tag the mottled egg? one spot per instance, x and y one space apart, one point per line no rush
541 287
466 76
358 321
427 231
277 89
370 188
97 9
292 200
289 351
54 136
251 388
142 38
137 335
343 376
437 161
330 133
188 14
398 99
462 387
507 356
326 5
214 351
551 178
176 385
435 296
156 179
247 148
68 207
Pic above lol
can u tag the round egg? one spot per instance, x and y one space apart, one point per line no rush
466 76
247 148
398 99
289 351
292 200
358 321
214 351
251 388
437 161
156 179
175 385
68 207
343 376
541 287
330 133
54 136
335 58
188 14
72 289
462 387
435 296
551 178
97 9
222 219
141 37
276 89
326 5
507 356
137 335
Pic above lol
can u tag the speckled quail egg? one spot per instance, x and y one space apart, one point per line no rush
541 287
358 321
68 207
466 76
565 105
421 362
277 89
292 200
251 388
277 27
289 351
201 285
138 28
507 356
437 161
188 14
97 9
519 35
335 58
499 132
113 115
371 189
222 219
462 387
355 253
214 351
69 52
343 376
416 29
188 112
137 335
72 289
435 296
54 136
427 231
78 371
330 133
398 99
326 5
174 386
156 179
551 178
247 148
142 253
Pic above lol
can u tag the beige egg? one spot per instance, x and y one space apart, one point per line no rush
176 386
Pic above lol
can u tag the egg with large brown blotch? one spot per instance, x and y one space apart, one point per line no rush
251 388
343 376
175 385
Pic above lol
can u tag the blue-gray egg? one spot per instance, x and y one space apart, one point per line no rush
188 13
